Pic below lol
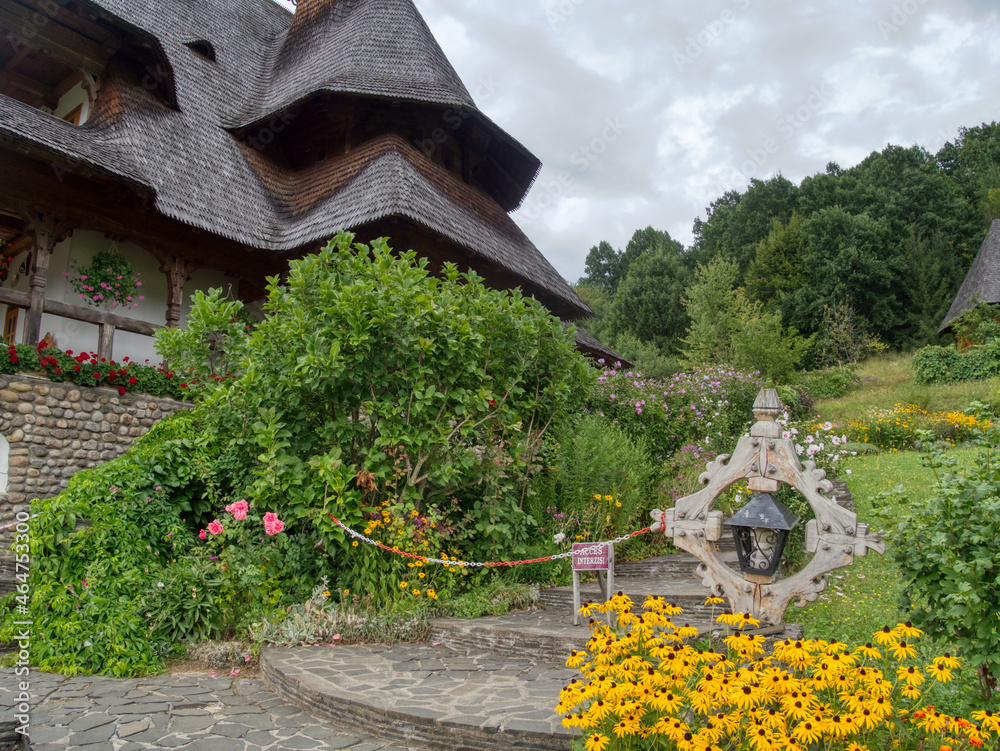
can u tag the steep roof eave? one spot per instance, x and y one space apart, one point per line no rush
982 281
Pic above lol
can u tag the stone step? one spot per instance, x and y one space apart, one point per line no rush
673 565
426 695
545 635
691 596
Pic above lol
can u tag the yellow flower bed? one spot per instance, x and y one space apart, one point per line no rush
897 428
642 686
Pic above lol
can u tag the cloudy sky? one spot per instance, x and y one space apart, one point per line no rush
644 112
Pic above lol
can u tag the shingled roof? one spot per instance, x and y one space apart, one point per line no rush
982 283
382 49
197 170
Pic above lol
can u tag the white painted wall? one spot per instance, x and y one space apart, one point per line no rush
78 336
70 101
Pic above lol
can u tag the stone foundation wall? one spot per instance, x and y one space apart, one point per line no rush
53 430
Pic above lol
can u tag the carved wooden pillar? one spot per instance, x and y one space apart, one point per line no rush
89 84
178 271
47 230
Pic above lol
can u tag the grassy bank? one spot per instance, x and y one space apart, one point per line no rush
887 381
866 596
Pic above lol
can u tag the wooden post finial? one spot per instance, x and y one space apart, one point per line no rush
766 408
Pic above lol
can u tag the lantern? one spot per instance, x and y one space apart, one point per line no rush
761 529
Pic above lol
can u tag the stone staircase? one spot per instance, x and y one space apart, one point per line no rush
488 684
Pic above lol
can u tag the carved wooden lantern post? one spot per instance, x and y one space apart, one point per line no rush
765 460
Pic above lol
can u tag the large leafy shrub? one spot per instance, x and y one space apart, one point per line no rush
948 365
409 406
100 548
830 383
951 562
599 484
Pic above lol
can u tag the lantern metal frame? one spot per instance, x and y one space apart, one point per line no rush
762 515
764 460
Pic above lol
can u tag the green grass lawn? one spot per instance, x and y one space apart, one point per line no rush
886 381
864 597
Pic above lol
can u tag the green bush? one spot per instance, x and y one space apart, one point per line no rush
948 365
798 401
116 555
600 483
830 383
952 557
212 345
96 550
978 324
406 404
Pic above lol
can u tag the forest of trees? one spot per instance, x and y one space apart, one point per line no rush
783 276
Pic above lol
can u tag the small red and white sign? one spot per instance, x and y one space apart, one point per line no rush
589 556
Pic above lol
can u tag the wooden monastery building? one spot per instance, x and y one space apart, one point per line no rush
211 141
982 282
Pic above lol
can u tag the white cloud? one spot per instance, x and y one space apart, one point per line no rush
692 127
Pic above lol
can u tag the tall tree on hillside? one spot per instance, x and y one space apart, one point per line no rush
914 193
607 267
603 267
850 257
973 162
736 223
727 327
648 304
933 275
713 306
777 269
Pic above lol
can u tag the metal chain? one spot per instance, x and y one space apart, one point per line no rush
593 549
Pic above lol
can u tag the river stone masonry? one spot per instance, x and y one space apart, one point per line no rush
53 430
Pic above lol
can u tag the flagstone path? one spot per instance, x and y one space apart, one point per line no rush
488 684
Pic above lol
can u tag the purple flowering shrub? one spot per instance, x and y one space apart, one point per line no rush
709 407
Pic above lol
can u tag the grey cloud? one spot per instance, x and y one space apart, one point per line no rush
554 101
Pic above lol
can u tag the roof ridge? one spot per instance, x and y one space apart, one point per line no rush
982 281
380 48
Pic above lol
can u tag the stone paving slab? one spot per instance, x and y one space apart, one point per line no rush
478 701
229 713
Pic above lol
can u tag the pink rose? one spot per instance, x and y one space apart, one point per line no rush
272 524
202 534
238 509
215 527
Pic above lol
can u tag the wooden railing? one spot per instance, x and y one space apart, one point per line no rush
108 322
